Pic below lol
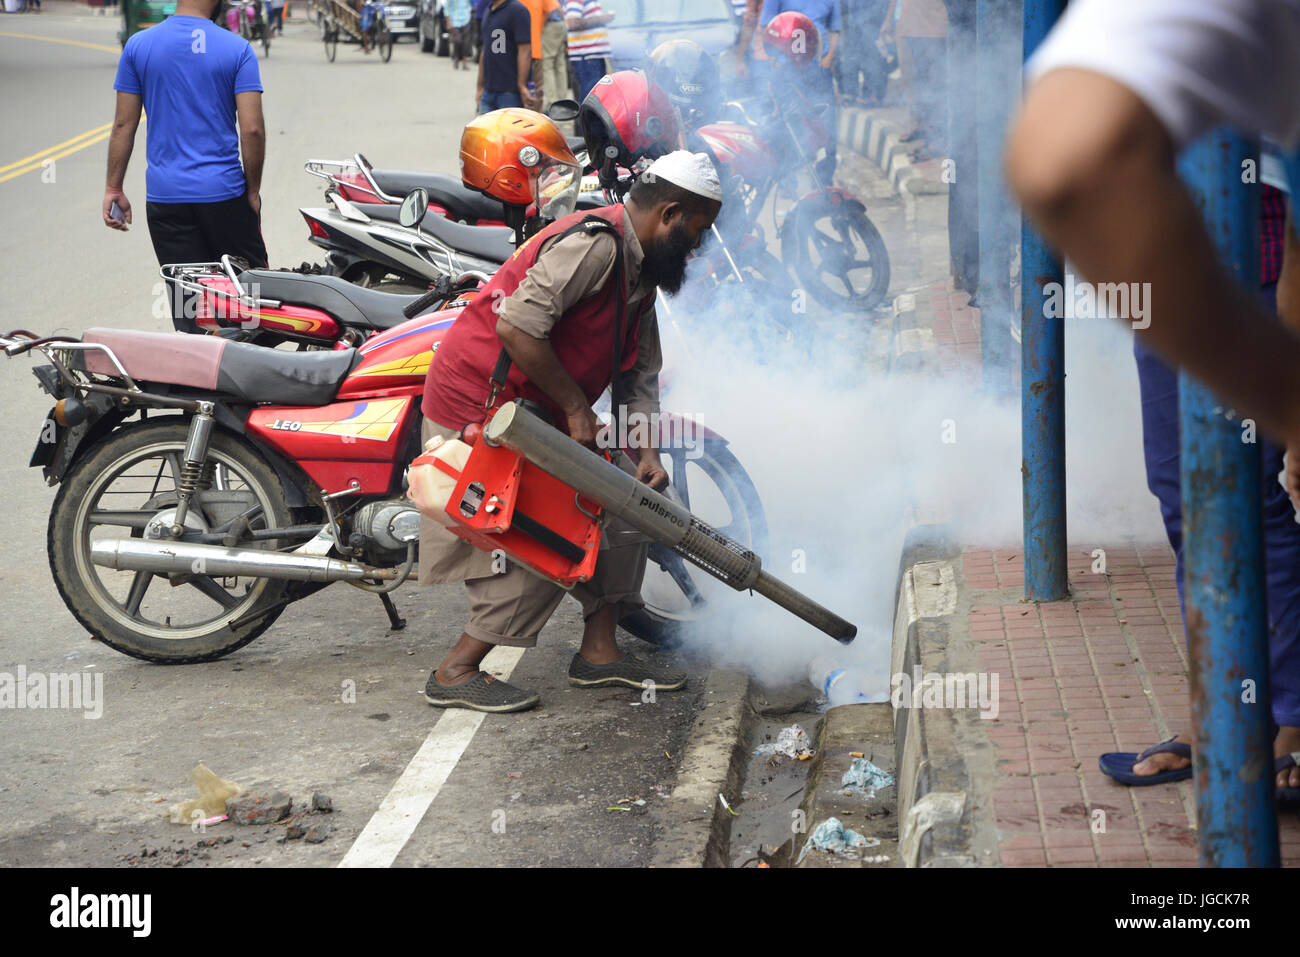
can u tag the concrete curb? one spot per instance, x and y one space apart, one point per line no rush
868 134
944 757
695 829
869 729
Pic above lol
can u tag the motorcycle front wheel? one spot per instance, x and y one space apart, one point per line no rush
677 595
836 252
130 480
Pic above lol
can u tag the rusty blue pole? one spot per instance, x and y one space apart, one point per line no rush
1223 556
997 53
1042 386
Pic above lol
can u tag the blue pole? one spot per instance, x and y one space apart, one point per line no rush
1223 557
1042 386
996 58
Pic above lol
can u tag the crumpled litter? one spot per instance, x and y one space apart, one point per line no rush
793 742
213 794
865 776
832 836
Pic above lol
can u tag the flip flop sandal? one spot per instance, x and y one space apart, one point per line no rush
483 692
1287 797
1119 764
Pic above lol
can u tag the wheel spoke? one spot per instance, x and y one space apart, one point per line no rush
208 586
139 584
679 481
675 566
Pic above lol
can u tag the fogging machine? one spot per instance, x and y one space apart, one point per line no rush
531 491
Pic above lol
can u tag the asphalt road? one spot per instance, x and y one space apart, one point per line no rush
530 789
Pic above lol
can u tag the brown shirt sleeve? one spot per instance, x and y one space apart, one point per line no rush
567 271
640 384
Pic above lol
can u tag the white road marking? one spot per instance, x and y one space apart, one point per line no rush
401 811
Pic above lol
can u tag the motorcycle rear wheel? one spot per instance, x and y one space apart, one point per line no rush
668 615
92 497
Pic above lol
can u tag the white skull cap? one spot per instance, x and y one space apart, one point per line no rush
693 172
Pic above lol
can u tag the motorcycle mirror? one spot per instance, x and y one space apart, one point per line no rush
562 111
413 208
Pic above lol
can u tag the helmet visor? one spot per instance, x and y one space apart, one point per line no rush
558 185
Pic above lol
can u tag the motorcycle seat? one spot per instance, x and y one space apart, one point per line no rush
445 191
350 304
494 244
237 369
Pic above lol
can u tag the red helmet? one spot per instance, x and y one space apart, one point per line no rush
625 111
792 36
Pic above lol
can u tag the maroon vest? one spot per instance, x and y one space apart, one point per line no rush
583 339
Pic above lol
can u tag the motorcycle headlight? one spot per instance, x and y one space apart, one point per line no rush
558 185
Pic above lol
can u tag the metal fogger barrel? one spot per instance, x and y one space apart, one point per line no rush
652 513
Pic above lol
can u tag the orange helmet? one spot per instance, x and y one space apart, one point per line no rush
521 157
792 36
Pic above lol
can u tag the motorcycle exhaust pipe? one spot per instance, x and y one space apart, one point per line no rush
183 558
653 514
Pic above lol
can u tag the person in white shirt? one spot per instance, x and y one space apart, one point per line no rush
1115 92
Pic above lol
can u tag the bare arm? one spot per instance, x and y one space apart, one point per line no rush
536 359
252 143
121 141
831 49
524 68
1094 169
478 91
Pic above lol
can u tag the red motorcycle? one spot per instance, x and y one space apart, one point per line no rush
827 239
205 484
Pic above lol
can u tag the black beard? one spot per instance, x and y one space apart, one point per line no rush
665 261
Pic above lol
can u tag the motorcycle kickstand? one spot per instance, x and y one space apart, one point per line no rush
395 621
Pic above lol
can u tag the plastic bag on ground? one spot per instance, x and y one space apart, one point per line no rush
211 802
865 776
791 742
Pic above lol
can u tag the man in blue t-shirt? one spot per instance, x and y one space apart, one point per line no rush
507 60
200 87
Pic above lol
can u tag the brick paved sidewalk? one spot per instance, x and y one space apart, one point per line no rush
1104 671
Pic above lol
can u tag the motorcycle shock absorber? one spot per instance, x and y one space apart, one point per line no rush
195 471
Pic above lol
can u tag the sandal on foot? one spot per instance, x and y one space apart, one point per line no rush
1287 797
483 692
629 670
1119 765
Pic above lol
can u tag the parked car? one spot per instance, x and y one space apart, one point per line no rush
403 19
641 25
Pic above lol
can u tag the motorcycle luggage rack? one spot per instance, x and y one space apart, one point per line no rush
322 167
20 341
182 274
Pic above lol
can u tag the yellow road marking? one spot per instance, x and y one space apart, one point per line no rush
38 160
35 157
72 43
